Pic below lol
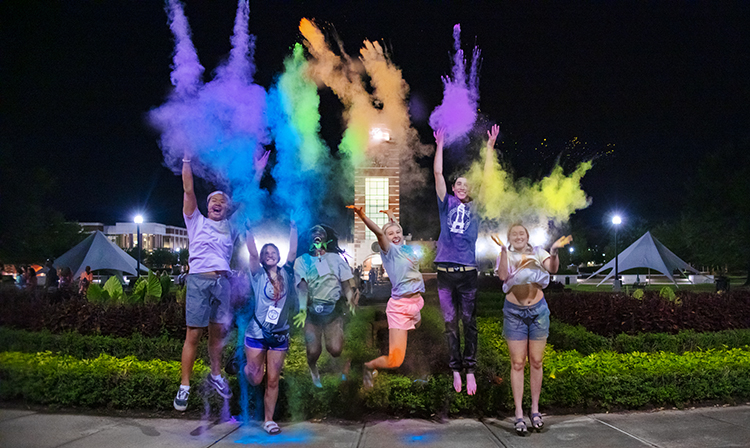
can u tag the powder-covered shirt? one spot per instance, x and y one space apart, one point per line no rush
211 243
402 265
323 276
458 232
272 313
524 269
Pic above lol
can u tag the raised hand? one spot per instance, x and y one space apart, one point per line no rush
439 136
562 242
295 216
492 135
299 318
358 210
391 214
498 241
259 163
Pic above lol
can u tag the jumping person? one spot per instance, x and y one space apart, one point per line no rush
207 300
457 265
525 271
402 266
320 276
267 333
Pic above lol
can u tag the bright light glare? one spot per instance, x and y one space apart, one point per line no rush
138 219
378 135
616 220
538 237
571 249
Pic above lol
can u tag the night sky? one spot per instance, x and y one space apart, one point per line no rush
644 87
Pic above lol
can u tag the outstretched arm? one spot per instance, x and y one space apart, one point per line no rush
391 214
437 166
382 240
501 265
253 251
259 164
189 202
489 156
552 264
292 240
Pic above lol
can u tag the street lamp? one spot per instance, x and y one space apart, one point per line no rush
616 220
138 220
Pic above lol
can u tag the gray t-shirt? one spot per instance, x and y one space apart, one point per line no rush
402 265
323 275
272 313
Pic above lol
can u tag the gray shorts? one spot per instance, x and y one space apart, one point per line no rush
207 300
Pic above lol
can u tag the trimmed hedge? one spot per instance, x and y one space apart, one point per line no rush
78 314
106 381
568 337
610 314
87 346
598 381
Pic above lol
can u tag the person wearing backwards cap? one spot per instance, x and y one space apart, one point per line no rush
211 241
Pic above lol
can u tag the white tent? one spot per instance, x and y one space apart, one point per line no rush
101 254
647 252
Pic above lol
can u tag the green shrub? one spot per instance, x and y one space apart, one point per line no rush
91 346
638 294
122 383
611 380
568 337
667 293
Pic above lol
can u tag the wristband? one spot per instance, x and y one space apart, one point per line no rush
185 160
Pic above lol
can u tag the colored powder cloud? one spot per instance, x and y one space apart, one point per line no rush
457 113
303 160
219 125
369 116
501 198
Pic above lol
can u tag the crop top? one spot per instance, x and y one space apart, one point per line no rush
524 269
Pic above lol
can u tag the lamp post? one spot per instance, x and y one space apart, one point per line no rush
138 220
616 220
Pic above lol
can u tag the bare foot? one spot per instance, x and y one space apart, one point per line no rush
471 384
457 381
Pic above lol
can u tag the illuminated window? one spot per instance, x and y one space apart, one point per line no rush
376 199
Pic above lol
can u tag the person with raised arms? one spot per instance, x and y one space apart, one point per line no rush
457 265
321 275
274 303
402 266
525 271
207 299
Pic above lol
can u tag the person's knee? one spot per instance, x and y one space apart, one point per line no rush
335 349
395 358
254 374
272 382
517 364
536 363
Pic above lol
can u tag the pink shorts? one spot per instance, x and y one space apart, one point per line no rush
403 313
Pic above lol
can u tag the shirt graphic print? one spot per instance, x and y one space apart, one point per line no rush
459 218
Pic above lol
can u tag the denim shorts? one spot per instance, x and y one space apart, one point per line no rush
526 322
207 300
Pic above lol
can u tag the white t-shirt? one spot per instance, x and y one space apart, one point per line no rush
524 269
211 243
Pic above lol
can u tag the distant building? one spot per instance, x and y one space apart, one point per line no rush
376 187
153 234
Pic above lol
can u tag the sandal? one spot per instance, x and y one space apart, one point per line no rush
536 421
271 427
520 426
368 377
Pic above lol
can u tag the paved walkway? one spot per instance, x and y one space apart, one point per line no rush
699 428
